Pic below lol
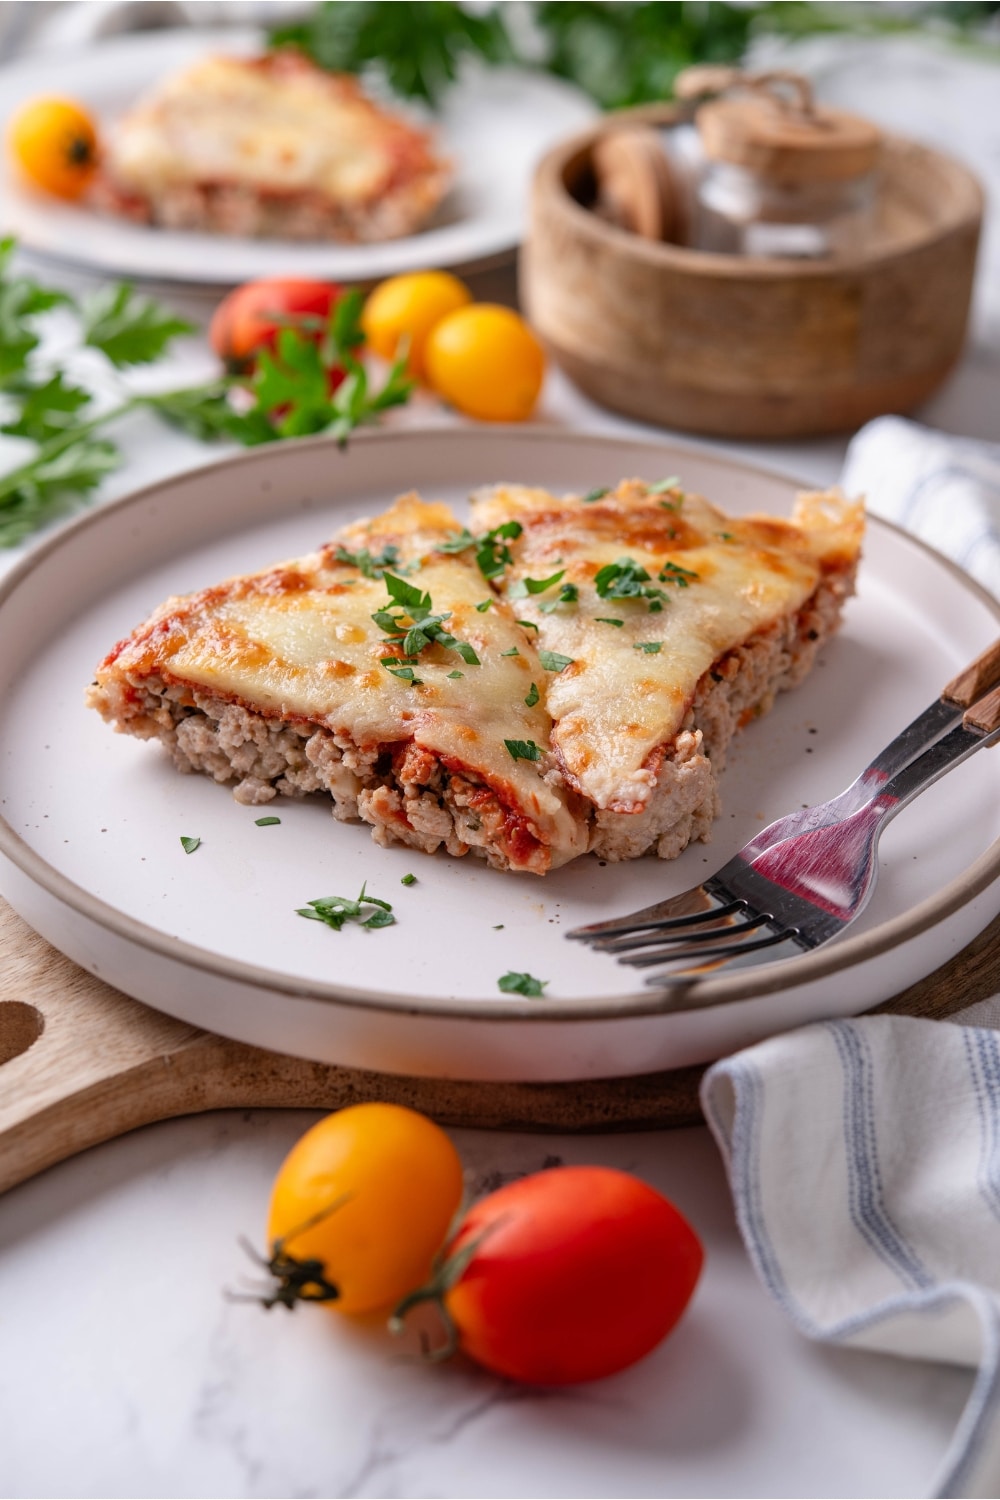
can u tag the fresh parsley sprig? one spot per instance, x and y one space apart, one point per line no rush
292 391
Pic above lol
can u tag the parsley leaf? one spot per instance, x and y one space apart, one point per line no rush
512 652
48 406
335 911
568 594
128 328
459 541
484 606
50 484
456 674
523 750
554 661
189 845
603 620
627 579
651 648
525 586
492 552
409 624
527 625
372 565
514 983
674 573
266 822
663 485
592 495
408 880
532 697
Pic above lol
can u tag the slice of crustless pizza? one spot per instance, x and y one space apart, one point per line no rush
664 626
382 670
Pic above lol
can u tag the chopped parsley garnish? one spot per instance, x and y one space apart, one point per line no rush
189 845
568 594
482 608
663 485
603 620
512 652
408 622
527 625
336 910
492 552
408 880
405 674
372 565
523 750
651 648
525 586
533 696
554 661
674 573
592 495
266 822
513 983
456 673
726 536
627 579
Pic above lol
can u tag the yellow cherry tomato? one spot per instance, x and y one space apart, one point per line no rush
54 142
367 1197
408 307
485 360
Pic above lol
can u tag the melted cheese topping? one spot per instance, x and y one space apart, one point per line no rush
298 642
617 704
283 127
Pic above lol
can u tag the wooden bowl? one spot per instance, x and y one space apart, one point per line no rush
742 347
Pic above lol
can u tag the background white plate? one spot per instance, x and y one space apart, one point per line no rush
92 821
494 124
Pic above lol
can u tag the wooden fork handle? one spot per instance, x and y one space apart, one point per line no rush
985 715
976 679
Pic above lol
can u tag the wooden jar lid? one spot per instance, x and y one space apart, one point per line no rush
635 189
788 145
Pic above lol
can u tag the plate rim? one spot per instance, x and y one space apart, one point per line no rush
478 258
743 985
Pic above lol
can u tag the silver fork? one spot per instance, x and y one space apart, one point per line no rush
804 878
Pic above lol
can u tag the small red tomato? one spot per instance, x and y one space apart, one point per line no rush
567 1275
251 317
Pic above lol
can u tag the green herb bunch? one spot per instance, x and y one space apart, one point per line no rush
621 52
291 392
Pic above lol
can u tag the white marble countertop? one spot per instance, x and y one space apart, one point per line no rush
128 1373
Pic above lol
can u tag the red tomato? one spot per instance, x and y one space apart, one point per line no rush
576 1273
244 321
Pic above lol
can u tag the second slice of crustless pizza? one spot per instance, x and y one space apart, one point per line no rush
665 626
382 670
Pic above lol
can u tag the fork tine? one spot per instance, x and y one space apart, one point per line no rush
707 952
660 917
646 939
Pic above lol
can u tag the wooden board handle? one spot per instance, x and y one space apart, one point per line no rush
976 679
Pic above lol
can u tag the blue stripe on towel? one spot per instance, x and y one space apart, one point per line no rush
864 1182
982 1051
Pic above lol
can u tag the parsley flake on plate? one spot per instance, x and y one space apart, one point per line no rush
266 822
515 983
408 880
533 696
554 661
335 911
651 648
189 845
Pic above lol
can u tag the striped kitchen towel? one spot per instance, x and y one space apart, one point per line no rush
944 489
864 1159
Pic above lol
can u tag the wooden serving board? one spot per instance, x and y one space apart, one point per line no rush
81 1063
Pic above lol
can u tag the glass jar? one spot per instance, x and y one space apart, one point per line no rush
784 179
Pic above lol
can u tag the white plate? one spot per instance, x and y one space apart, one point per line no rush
495 124
90 849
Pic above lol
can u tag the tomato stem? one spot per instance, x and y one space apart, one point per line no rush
447 1271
